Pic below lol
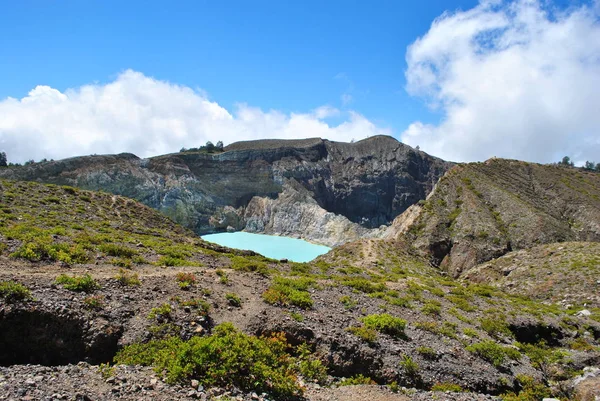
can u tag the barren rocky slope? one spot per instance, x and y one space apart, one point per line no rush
566 272
480 211
370 312
328 192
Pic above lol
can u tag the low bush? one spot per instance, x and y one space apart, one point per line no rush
496 327
227 358
455 388
385 323
493 352
83 283
290 291
356 380
161 312
364 285
94 302
127 279
118 250
233 299
364 333
11 291
411 368
185 280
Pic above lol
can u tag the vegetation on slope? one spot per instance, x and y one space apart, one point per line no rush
374 311
480 211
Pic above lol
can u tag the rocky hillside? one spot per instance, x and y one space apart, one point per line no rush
95 289
480 211
328 192
566 273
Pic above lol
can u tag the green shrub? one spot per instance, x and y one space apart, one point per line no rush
385 323
493 352
411 368
461 303
83 283
163 311
470 332
12 291
427 352
348 302
447 387
249 265
530 390
356 380
223 277
290 291
309 366
233 299
431 308
364 333
364 285
185 280
200 305
43 249
118 250
227 358
127 279
94 302
496 327
171 261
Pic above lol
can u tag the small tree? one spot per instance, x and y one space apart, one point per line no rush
566 161
589 165
219 146
3 159
209 147
598 167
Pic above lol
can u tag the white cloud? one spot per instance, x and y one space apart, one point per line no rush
145 116
511 79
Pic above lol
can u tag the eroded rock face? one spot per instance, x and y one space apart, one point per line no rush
328 192
481 211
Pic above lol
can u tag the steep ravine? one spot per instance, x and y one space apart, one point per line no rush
323 191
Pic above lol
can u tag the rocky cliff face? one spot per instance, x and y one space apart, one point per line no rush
481 211
328 192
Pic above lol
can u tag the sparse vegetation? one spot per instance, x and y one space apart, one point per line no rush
233 299
127 279
226 358
290 291
11 291
185 280
385 323
83 283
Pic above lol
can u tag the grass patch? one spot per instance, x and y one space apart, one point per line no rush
11 291
290 291
127 279
83 283
233 299
385 323
493 352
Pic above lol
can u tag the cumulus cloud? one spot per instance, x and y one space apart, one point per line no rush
145 116
510 79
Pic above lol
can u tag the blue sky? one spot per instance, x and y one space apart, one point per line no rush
290 57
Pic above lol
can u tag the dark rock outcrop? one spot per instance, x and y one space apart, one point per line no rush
354 187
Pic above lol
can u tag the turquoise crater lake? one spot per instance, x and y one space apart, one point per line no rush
271 246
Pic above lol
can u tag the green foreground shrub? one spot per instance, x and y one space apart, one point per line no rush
227 358
12 291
